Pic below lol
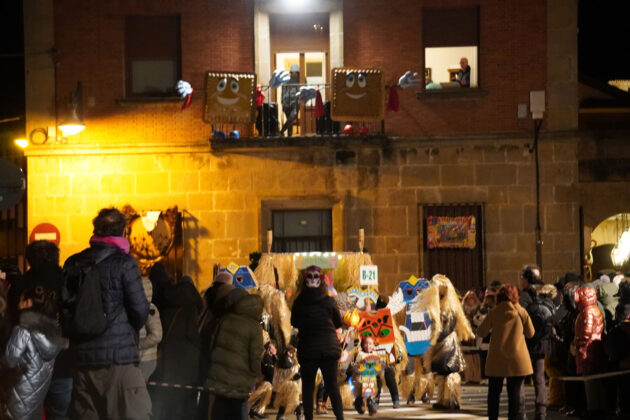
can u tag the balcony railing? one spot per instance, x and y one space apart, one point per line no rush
270 119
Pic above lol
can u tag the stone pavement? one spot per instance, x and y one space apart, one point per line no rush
473 407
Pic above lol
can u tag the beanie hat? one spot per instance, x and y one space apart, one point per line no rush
223 277
294 67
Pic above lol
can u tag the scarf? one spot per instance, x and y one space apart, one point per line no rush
119 241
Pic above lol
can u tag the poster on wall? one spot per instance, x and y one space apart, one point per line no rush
451 232
358 94
229 97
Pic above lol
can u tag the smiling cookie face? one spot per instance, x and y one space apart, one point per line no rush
230 97
358 94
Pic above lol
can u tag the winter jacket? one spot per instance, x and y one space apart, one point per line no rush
507 354
150 336
541 312
121 286
589 326
316 317
32 348
608 297
237 349
179 307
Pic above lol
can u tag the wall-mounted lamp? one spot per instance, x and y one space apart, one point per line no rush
21 143
73 124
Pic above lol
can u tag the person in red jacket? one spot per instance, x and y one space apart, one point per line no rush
589 326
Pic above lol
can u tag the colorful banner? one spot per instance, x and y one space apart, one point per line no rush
451 232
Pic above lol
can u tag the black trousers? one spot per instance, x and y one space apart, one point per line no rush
390 381
329 368
516 402
225 408
540 387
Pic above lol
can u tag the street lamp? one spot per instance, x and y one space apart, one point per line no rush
537 108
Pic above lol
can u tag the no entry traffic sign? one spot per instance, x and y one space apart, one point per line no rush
45 232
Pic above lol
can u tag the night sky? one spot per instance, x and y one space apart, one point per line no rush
603 44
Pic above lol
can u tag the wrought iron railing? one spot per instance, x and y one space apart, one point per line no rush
270 118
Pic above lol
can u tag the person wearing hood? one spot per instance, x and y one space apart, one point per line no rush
34 343
179 305
317 318
235 358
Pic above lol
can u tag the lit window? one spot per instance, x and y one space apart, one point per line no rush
450 37
152 48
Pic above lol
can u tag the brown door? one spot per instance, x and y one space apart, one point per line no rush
464 266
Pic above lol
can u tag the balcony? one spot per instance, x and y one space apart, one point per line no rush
307 129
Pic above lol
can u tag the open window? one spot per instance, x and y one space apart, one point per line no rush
449 35
152 55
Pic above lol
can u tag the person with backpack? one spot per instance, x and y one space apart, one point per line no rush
541 311
33 346
103 308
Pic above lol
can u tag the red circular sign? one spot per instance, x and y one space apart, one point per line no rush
46 232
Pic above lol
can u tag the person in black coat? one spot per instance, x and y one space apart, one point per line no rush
106 365
316 317
178 362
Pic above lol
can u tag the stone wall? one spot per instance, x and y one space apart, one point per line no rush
223 197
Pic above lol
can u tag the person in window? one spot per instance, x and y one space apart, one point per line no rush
463 77
290 105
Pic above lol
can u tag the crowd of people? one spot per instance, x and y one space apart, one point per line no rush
145 345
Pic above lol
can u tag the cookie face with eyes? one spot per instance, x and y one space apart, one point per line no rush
230 97
358 94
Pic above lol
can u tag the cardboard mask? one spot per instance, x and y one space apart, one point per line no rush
417 328
359 295
230 97
380 326
368 369
358 94
242 277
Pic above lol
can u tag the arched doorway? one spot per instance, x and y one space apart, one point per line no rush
611 244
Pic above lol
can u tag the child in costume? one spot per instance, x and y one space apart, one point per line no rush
365 367
449 328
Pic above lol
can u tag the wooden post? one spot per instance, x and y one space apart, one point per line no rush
269 240
361 240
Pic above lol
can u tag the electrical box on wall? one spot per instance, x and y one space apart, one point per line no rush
537 103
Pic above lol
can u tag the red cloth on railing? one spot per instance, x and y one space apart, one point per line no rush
392 99
260 97
320 111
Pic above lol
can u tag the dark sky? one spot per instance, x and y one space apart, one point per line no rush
604 38
603 46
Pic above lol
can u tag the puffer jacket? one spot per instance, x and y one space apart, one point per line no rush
32 348
589 326
121 285
150 336
237 350
316 317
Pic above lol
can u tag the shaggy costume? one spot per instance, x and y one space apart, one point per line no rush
449 328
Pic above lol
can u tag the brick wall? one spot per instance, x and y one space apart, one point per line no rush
512 61
219 35
379 190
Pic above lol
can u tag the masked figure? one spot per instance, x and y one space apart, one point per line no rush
449 327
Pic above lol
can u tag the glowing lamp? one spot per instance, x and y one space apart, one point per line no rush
621 252
73 125
22 143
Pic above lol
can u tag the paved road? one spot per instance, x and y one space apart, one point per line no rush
473 407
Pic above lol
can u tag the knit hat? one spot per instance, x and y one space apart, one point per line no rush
294 68
223 277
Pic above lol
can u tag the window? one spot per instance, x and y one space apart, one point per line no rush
450 35
152 55
302 230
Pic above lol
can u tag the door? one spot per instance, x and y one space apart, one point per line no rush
462 263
